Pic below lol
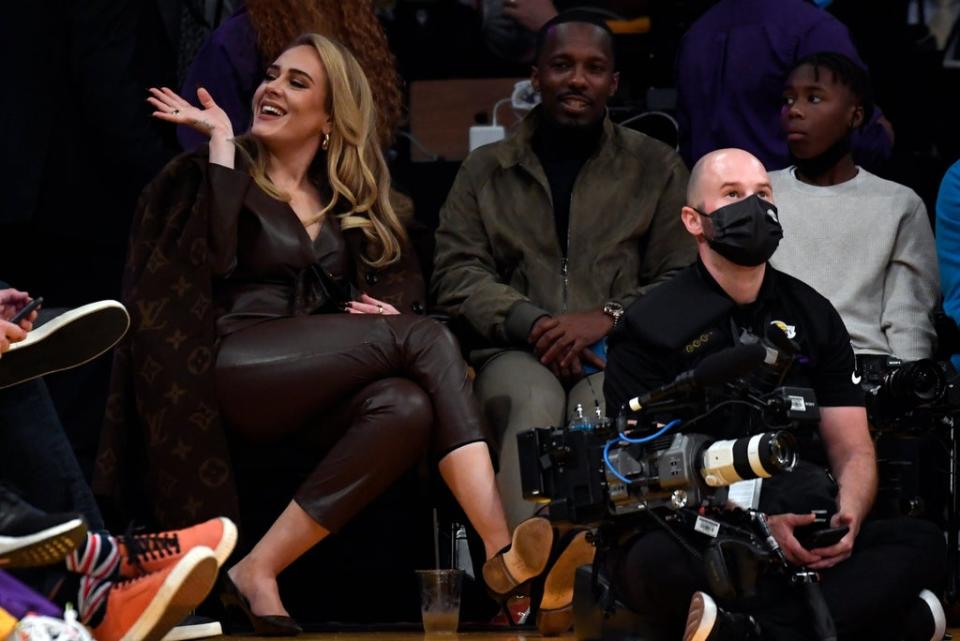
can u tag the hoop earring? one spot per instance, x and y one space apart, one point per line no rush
325 141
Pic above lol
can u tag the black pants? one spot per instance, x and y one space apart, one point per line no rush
376 392
892 561
38 460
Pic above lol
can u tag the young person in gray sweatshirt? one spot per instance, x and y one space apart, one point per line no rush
863 242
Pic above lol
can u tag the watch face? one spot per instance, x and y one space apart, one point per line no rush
613 309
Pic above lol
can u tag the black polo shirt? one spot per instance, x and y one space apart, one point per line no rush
672 328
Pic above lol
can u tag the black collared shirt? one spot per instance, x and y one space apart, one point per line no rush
676 325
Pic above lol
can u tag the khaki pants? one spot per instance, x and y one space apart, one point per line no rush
517 393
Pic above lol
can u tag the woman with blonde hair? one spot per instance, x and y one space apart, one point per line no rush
231 62
298 217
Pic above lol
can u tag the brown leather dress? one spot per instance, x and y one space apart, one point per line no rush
383 389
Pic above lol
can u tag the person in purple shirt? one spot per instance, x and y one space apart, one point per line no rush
230 67
730 73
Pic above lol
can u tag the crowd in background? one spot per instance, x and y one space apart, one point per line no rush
81 145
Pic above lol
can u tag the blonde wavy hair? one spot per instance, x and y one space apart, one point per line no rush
353 164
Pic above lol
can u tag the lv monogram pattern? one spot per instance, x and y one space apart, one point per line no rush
162 396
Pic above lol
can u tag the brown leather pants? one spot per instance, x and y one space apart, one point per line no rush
383 389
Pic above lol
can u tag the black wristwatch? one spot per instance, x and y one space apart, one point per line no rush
614 310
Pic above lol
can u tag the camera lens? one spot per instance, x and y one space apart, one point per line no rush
915 383
757 456
782 452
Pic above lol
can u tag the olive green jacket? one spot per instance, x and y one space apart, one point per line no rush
498 262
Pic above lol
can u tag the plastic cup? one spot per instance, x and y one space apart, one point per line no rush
440 600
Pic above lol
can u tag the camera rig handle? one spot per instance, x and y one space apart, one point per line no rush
805 579
808 582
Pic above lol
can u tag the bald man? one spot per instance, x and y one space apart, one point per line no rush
872 577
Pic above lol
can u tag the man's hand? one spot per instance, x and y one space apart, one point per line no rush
530 14
782 527
842 550
854 464
11 302
563 340
10 333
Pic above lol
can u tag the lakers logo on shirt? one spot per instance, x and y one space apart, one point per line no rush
789 330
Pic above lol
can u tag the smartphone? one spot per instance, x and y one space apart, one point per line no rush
25 311
822 538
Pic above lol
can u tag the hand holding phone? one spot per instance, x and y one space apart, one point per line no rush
821 538
26 310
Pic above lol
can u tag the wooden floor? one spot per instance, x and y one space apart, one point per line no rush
465 636
418 636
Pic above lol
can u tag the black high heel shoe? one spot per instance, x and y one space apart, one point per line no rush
264 626
511 570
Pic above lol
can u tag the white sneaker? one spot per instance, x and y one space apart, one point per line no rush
73 338
40 628
927 618
194 627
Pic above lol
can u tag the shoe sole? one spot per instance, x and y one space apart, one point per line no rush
530 552
701 619
228 541
558 588
555 616
69 340
194 631
45 547
187 585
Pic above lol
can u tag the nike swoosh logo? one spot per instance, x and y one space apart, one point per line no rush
856 379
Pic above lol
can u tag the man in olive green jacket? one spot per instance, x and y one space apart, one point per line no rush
545 237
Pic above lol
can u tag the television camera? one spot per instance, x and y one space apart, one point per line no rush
597 469
638 471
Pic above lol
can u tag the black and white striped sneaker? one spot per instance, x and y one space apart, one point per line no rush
70 339
30 538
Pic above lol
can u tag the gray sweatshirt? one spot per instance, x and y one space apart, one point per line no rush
867 246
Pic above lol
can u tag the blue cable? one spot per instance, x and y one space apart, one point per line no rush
646 439
606 459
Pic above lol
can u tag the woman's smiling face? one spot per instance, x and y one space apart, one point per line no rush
290 106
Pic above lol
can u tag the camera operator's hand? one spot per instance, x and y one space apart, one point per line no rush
564 339
782 527
842 550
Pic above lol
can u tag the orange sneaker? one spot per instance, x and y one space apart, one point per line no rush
142 554
146 608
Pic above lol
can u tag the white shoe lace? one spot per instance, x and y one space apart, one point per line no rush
34 627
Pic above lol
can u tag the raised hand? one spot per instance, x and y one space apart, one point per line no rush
210 120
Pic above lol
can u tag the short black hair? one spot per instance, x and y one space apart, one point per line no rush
845 71
587 16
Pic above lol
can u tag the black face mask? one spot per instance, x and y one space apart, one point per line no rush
746 232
